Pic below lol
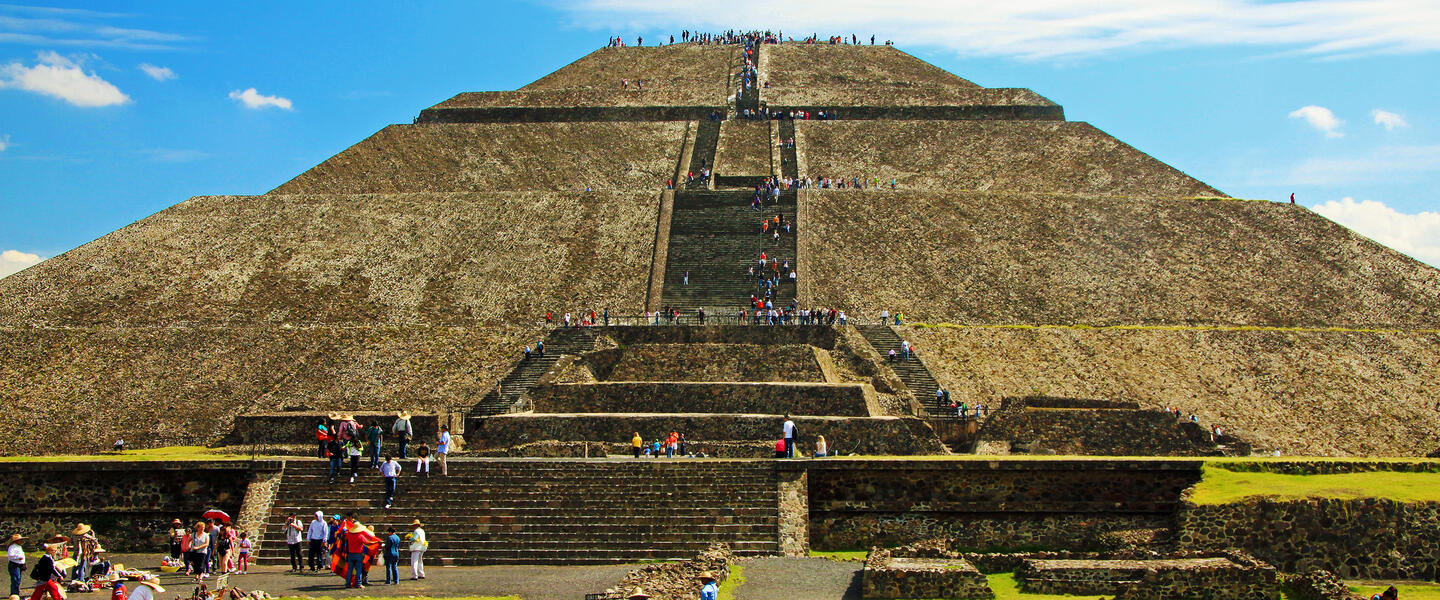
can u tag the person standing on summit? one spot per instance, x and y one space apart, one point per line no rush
789 430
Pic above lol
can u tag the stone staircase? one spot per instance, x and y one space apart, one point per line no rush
550 511
522 377
716 236
912 372
789 163
707 141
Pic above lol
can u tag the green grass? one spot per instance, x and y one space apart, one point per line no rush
1222 486
841 555
1408 591
1007 588
733 582
156 454
398 598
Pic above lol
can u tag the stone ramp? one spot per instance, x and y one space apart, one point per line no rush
520 379
716 236
550 512
912 372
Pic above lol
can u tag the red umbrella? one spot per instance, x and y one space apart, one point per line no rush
216 514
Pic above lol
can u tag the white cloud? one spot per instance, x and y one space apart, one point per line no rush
157 73
1417 235
1320 118
4 142
49 27
14 260
255 100
1038 29
1388 120
64 78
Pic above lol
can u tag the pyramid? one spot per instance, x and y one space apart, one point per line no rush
1038 255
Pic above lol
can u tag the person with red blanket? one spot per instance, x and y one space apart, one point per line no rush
355 551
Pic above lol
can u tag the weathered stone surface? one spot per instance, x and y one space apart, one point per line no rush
886 576
1366 538
677 581
706 362
827 399
1103 431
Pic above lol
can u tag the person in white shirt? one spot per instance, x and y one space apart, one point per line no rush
443 448
316 535
418 544
294 535
147 590
16 553
389 470
789 430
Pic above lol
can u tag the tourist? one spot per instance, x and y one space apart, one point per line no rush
46 575
884 316
680 449
316 535
83 540
635 444
392 557
244 547
821 450
16 553
443 448
224 547
780 448
904 345
177 533
146 589
389 471
638 594
294 533
422 460
198 556
418 545
709 590
354 541
789 430
1390 593
403 431
670 443
336 457
322 436
374 435
352 450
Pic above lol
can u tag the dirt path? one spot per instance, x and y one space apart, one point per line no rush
800 579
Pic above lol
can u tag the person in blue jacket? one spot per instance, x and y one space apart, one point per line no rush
392 557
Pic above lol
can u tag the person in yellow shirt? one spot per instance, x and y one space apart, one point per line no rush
636 443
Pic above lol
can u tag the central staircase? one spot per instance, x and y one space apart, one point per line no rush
539 511
522 377
715 236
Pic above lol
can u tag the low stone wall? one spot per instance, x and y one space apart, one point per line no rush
1366 538
890 577
937 113
706 362
538 114
992 505
841 400
1092 431
129 503
845 435
298 427
1200 578
1319 585
1239 580
819 336
676 581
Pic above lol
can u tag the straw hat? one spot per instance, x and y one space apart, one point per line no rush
80 529
154 584
177 523
16 538
403 415
416 523
57 539
638 595
707 576
355 527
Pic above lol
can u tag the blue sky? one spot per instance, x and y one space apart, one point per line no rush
111 111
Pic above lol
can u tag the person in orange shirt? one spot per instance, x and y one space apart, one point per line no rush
670 443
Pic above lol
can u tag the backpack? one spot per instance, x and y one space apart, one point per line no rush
42 574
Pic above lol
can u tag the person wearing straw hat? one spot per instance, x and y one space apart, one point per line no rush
16 553
147 589
418 544
638 594
83 539
47 576
177 534
709 589
403 431
356 539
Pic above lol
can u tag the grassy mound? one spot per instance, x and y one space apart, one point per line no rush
1223 486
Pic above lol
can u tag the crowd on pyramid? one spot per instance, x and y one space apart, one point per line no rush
731 36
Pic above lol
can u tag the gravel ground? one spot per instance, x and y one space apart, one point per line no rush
530 582
800 579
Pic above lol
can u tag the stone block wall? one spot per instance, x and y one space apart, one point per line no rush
1049 426
894 577
676 581
130 504
706 362
298 427
844 400
991 505
845 435
1365 538
817 336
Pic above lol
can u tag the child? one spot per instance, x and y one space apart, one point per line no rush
245 546
422 460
